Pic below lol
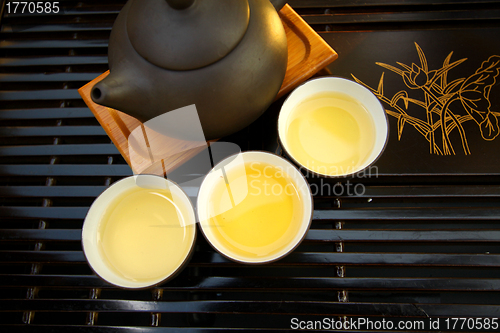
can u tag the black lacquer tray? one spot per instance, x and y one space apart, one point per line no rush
420 239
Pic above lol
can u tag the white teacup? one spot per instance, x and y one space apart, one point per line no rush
243 218
318 143
128 238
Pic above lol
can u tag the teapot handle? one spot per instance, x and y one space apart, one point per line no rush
180 4
278 4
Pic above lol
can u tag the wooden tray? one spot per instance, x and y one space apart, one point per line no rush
308 53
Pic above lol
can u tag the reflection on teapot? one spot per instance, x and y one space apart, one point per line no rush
228 57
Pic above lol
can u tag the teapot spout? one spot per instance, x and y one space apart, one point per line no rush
117 91
113 92
104 94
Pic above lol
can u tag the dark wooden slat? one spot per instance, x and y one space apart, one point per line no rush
41 234
438 16
409 214
44 212
295 258
464 178
253 307
128 329
47 113
51 191
62 60
58 281
53 44
431 191
364 3
264 284
346 258
444 236
42 256
65 170
385 192
65 27
52 131
271 284
48 77
70 191
30 95
312 235
323 284
42 150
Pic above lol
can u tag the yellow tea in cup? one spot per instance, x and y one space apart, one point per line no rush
333 126
139 232
256 211
143 235
330 133
265 220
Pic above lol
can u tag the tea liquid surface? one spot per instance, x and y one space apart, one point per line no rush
142 234
257 214
330 133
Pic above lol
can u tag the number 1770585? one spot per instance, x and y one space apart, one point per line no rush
32 7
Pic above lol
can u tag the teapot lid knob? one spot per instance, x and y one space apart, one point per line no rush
186 34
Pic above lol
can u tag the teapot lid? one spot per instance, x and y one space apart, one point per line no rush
186 34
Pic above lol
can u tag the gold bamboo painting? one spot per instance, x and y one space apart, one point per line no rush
431 115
